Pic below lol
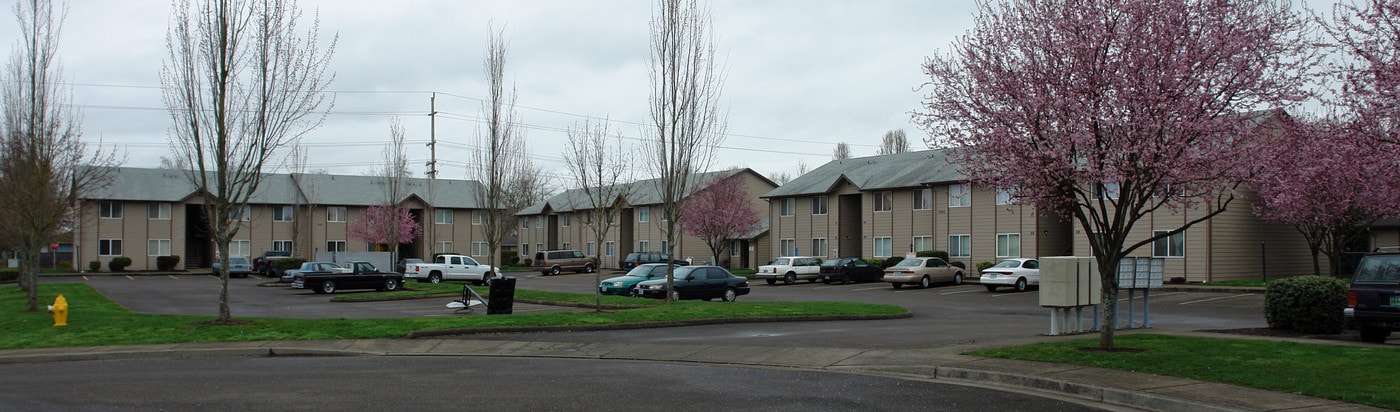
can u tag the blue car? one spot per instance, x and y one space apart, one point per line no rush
238 267
626 284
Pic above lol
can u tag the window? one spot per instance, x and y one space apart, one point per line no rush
539 221
564 220
960 195
1107 190
158 247
1006 196
481 249
1170 246
642 246
109 247
1009 245
525 222
240 248
734 246
158 211
787 247
281 213
524 249
443 247
960 246
242 213
786 206
336 214
478 218
590 248
665 247
1094 238
109 210
923 199
609 248
539 247
884 201
442 216
644 214
818 247
883 246
922 243
335 246
819 205
282 245
565 245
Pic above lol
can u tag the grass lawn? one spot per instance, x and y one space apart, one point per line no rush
1363 375
97 321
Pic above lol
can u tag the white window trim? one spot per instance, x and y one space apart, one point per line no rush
962 197
159 244
1167 239
923 197
342 214
787 206
113 212
881 200
109 246
442 216
825 205
961 253
889 246
1007 252
914 242
163 211
287 213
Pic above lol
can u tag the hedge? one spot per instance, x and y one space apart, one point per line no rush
1306 304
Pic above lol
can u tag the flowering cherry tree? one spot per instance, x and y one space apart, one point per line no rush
1328 182
1367 39
379 222
1094 108
718 214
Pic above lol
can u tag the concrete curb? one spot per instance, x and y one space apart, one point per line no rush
646 325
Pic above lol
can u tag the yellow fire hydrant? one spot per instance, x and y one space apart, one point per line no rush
60 311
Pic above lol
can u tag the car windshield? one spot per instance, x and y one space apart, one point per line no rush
781 262
682 271
910 262
237 260
833 262
640 271
1008 264
1379 268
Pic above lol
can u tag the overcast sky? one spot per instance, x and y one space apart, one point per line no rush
801 75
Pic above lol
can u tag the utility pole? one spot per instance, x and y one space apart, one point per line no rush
432 136
429 218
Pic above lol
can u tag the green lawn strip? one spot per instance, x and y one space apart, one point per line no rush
1363 375
96 321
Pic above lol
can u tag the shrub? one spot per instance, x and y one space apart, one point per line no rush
527 262
959 264
167 262
981 266
94 266
65 266
9 274
934 253
1306 304
285 264
119 263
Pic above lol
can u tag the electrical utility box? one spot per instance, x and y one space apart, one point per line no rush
1069 281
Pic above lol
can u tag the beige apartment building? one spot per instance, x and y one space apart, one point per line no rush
146 213
564 222
888 206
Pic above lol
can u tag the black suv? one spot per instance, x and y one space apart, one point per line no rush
640 258
1374 296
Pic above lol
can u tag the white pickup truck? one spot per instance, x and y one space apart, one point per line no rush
452 267
790 268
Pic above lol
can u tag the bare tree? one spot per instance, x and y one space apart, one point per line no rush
842 151
241 83
395 173
685 113
599 170
44 165
500 160
894 141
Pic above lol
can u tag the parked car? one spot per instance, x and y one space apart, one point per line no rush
553 262
627 284
1018 273
290 275
362 275
641 258
846 270
402 265
697 282
452 267
1373 299
238 267
790 269
266 264
922 271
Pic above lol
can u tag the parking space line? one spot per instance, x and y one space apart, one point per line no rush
171 276
864 289
997 295
1124 299
1216 298
128 277
957 292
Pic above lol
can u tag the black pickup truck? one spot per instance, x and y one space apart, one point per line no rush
362 275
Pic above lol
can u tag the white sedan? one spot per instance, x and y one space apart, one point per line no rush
1019 273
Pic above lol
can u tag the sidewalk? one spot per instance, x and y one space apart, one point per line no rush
1116 388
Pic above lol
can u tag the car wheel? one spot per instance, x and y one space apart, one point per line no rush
897 285
675 294
957 279
554 270
924 282
729 295
328 287
391 285
633 292
435 278
487 278
1372 334
991 288
770 281
790 278
588 268
1021 285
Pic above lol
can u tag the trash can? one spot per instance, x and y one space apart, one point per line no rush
502 296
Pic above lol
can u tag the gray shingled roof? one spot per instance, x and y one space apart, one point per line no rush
641 192
165 185
894 171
